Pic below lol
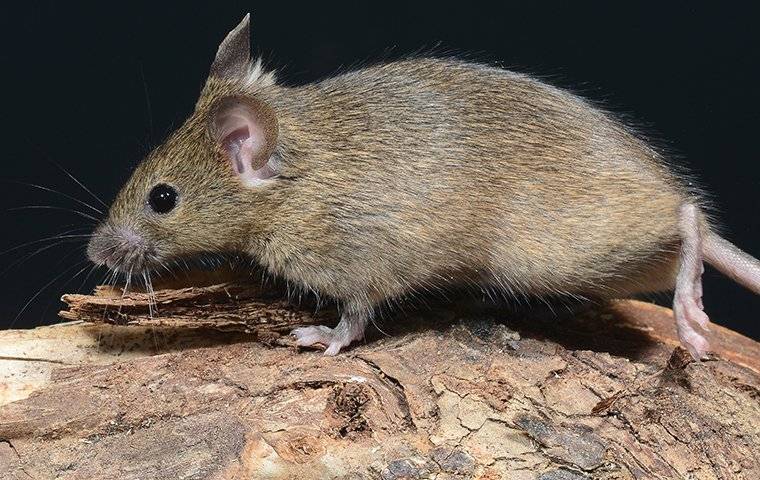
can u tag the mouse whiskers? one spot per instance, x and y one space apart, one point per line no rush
47 285
57 192
53 207
29 256
125 290
81 185
66 235
152 303
89 212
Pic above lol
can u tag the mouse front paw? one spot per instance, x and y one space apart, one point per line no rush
333 339
321 335
311 336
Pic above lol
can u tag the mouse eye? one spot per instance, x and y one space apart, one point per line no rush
162 198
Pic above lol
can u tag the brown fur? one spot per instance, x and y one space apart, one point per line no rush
419 174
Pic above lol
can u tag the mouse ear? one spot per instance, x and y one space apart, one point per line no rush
234 53
246 130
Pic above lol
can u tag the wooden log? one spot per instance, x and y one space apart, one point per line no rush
452 392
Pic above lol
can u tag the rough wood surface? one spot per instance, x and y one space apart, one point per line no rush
228 307
452 392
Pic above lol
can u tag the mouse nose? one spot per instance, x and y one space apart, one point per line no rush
118 248
98 245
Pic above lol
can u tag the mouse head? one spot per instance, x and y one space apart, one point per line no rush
204 189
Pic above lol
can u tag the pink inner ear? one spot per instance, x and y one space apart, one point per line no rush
235 144
244 141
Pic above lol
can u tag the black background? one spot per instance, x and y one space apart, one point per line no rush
94 87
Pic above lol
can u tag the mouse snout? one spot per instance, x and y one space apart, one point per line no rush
119 248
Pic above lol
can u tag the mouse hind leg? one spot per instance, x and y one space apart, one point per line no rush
691 320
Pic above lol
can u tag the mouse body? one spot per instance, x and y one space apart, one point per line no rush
415 175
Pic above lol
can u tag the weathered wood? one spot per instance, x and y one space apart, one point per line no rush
452 392
241 307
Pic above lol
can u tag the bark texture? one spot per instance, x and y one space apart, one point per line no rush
450 393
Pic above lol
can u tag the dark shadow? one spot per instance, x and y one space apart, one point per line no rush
590 325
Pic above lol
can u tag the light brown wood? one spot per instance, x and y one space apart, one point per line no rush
210 386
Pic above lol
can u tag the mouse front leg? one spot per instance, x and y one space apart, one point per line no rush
349 329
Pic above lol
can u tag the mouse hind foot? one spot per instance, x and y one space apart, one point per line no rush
691 320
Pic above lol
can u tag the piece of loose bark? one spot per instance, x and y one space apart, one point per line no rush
245 307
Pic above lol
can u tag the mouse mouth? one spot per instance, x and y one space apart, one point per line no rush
121 249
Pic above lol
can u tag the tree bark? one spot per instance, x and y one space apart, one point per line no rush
207 385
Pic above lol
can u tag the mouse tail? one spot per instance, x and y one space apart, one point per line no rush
730 260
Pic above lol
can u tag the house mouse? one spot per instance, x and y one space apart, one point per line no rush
417 175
